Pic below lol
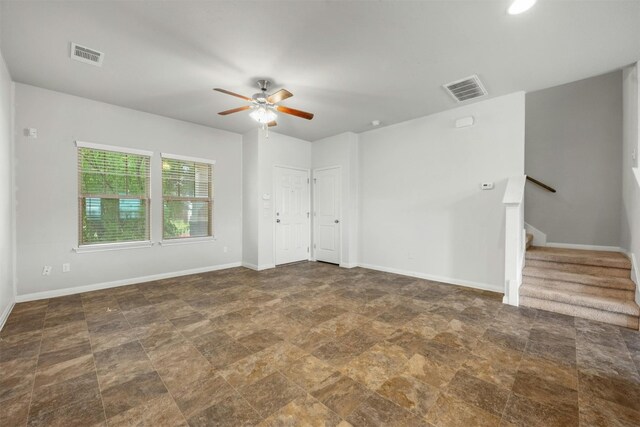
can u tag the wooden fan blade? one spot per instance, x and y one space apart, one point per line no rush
294 112
280 95
233 94
271 124
234 110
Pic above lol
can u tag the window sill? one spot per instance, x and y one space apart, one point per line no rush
112 247
187 241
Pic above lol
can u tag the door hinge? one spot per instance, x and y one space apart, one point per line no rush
315 180
314 246
307 180
307 214
307 249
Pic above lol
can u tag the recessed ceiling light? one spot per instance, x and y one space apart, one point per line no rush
520 6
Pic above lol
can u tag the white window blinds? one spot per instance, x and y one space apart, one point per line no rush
187 196
113 195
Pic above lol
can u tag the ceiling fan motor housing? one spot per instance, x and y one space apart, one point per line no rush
261 97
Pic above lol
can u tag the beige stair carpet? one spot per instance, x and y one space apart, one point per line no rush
594 285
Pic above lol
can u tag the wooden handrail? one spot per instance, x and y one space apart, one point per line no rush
541 184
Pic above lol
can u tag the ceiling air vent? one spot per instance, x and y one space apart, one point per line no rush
86 55
466 89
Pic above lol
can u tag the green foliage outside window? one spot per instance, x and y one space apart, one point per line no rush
114 196
187 198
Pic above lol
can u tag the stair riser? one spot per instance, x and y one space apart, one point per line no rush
579 269
580 288
583 312
618 262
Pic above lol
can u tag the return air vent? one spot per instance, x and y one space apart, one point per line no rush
466 89
86 55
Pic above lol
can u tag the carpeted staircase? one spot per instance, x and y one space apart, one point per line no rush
594 285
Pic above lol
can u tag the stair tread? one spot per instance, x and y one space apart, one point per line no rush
579 256
615 305
602 281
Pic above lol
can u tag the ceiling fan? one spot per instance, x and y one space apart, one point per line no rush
264 106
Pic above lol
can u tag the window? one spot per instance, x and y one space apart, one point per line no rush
113 194
187 197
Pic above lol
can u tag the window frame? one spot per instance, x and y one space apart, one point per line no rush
126 244
211 200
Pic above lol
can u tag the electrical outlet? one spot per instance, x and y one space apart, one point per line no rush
46 270
225 249
66 267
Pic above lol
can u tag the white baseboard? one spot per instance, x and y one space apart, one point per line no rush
450 280
249 266
635 274
124 282
349 264
258 267
5 314
585 247
539 238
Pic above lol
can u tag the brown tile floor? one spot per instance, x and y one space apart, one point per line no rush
310 344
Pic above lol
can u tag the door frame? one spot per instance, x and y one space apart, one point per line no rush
315 204
273 205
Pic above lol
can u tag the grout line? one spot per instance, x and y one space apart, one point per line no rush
511 392
95 367
33 387
153 366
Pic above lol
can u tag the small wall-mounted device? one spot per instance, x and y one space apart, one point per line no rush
486 186
465 122
266 196
31 132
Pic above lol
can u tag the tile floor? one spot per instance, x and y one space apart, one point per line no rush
310 344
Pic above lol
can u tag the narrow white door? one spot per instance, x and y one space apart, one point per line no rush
326 187
292 215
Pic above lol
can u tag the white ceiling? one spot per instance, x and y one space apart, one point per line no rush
347 62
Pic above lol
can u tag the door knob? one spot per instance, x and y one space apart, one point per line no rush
278 220
336 221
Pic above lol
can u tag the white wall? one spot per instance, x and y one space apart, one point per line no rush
277 150
6 194
250 199
46 179
422 211
342 150
630 229
574 144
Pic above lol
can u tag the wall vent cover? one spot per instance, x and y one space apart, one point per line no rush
86 55
465 89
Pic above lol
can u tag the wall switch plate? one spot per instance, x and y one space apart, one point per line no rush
225 249
46 270
66 267
486 186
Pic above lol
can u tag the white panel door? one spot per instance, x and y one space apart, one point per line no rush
326 187
292 215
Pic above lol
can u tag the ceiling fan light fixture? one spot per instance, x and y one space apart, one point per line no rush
520 6
263 115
